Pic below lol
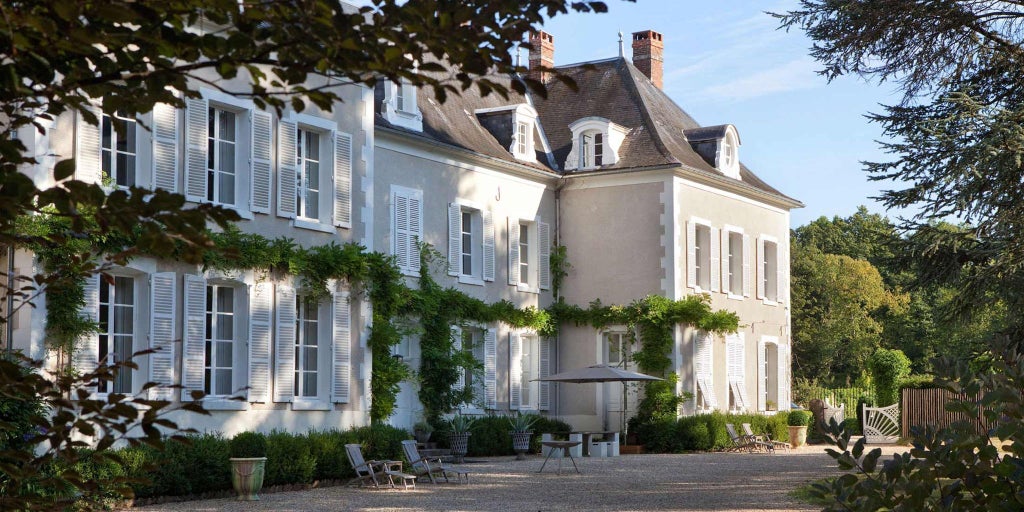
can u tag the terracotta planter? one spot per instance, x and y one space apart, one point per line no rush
521 443
247 477
459 443
797 436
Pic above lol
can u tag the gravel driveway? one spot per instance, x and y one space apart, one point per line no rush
709 481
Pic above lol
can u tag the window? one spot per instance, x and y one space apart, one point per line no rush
595 143
221 156
728 153
701 254
400 107
768 263
619 349
523 134
530 365
407 228
524 254
470 242
118 149
772 373
220 340
306 346
736 278
529 246
308 164
467 244
591 149
471 339
529 359
116 330
736 263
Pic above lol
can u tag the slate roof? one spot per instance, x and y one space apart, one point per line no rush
614 89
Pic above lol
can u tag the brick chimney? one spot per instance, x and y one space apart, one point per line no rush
648 55
542 53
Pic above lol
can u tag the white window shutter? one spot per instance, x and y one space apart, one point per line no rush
726 281
490 369
488 255
456 333
87 354
87 147
515 372
544 388
416 228
287 172
748 277
400 229
261 155
342 180
284 349
781 264
197 113
513 251
454 239
261 305
691 254
165 147
162 306
760 268
716 251
342 340
761 402
193 359
782 377
544 255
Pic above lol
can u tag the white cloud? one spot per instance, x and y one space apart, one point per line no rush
792 76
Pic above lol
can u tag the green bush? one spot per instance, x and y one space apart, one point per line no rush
888 368
289 459
693 434
327 447
381 442
852 425
490 437
705 431
545 425
798 418
659 436
197 464
918 382
248 445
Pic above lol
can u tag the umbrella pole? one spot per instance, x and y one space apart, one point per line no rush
625 405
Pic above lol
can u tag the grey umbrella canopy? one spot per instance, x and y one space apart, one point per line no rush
597 373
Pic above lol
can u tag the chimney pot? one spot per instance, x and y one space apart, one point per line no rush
648 55
542 54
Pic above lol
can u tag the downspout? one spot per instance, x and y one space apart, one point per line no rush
10 301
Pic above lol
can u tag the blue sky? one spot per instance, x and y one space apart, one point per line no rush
726 62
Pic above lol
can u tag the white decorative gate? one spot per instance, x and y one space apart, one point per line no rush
881 424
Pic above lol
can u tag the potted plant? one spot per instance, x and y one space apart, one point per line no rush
798 421
422 430
248 462
458 435
521 433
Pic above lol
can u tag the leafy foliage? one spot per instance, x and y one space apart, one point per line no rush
888 369
248 445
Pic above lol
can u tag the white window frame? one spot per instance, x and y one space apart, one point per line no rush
243 110
730 268
115 136
538 260
135 334
478 382
481 257
524 125
700 255
612 137
528 381
327 130
213 317
319 402
728 153
766 275
407 115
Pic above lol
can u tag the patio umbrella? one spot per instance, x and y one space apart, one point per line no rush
601 373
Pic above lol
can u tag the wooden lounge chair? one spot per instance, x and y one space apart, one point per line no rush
744 442
764 438
431 467
377 472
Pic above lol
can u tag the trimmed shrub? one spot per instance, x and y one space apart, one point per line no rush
197 464
705 431
799 418
289 459
490 437
381 442
327 447
852 425
888 368
918 382
247 445
545 425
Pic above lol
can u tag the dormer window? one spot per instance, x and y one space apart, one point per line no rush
728 159
524 132
719 146
513 127
596 142
400 106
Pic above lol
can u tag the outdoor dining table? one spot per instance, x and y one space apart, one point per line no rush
563 448
588 434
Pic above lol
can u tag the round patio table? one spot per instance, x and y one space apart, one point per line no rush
562 447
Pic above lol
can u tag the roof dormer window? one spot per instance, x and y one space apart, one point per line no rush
513 126
596 142
728 155
400 106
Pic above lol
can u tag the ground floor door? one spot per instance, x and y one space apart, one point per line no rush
620 401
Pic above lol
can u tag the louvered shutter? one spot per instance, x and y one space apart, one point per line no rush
780 273
760 268
783 376
165 147
193 359
342 180
400 229
726 261
284 349
454 239
488 256
513 251
197 112
87 353
544 255
544 388
87 147
691 254
416 228
515 372
342 340
748 277
261 303
761 382
460 381
704 370
161 337
490 369
261 154
716 251
735 365
287 172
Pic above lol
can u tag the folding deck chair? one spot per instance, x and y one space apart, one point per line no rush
377 472
431 466
764 438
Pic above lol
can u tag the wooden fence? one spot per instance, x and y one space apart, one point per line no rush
920 407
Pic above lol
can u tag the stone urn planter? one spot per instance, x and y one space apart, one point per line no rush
247 477
459 444
521 443
798 421
797 436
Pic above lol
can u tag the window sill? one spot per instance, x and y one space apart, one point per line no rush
242 212
472 411
471 280
314 225
769 302
310 405
527 288
224 404
410 272
736 297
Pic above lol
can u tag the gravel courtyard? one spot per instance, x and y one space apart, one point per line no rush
711 481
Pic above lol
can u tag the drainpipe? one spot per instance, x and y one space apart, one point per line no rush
10 300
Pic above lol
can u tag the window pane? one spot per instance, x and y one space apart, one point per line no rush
227 126
309 384
225 327
126 174
224 354
227 188
225 299
209 354
226 159
124 290
223 382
